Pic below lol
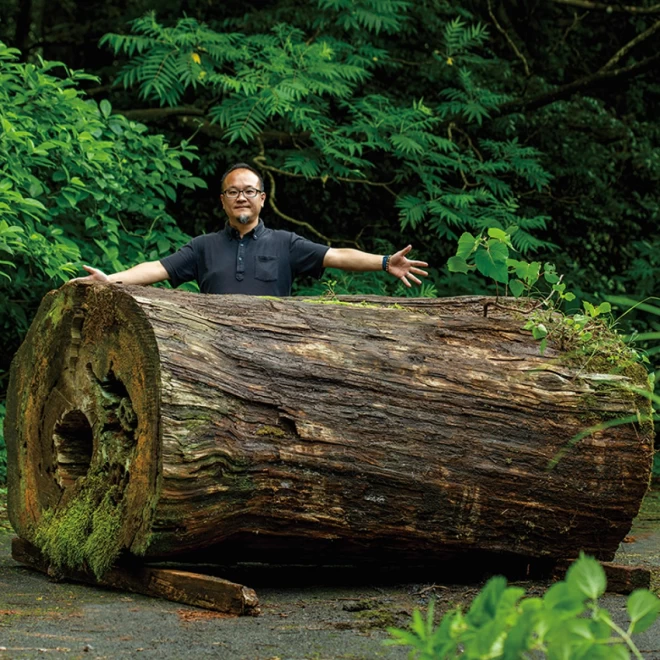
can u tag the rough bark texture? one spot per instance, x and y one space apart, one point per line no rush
248 424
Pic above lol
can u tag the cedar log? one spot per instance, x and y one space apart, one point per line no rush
360 430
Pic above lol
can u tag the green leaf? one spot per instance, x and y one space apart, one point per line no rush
560 646
484 606
587 576
533 273
539 331
106 108
521 268
71 199
498 234
580 628
491 261
402 638
643 608
516 287
466 245
563 600
27 201
418 625
518 638
604 308
457 265
589 308
35 189
550 273
600 628
615 652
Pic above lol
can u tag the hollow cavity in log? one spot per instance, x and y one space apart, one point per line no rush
73 439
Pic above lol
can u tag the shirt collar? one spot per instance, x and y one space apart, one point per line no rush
254 233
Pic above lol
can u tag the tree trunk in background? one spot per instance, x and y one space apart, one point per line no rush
23 25
414 429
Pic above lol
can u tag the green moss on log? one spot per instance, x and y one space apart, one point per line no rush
274 431
84 534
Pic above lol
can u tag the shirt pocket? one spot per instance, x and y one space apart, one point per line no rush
266 268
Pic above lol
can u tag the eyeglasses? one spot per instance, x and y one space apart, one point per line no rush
249 193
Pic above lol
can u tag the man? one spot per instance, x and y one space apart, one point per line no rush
246 257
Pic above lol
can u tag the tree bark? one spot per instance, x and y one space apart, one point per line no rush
415 429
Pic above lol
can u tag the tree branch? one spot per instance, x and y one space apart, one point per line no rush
580 85
194 118
609 8
510 41
323 179
630 45
288 218
154 114
260 160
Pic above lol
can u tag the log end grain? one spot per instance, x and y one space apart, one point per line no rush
83 428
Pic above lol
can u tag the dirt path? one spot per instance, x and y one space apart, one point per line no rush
309 622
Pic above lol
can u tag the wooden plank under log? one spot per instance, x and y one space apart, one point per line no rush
197 589
166 424
621 579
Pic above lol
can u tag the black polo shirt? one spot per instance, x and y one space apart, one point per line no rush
262 263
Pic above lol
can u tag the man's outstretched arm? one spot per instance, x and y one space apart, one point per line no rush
396 264
148 272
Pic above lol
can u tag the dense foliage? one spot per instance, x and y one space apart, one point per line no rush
77 183
376 122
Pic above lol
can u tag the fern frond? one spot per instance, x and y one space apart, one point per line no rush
304 163
373 15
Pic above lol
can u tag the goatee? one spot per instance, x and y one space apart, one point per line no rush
244 218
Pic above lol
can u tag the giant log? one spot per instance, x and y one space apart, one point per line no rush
165 424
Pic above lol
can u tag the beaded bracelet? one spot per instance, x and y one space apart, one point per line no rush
386 263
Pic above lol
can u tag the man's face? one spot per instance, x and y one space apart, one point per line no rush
242 210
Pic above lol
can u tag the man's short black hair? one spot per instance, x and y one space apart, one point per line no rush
242 166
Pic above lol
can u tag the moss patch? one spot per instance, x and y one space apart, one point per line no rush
377 618
85 532
274 431
59 306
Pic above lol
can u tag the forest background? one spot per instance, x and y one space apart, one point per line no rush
377 123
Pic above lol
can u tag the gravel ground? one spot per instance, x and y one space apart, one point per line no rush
307 621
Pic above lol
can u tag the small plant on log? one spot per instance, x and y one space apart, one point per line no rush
501 622
587 333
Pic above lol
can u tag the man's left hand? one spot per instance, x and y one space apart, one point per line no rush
405 269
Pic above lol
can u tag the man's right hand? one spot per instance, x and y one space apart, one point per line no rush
95 275
148 272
